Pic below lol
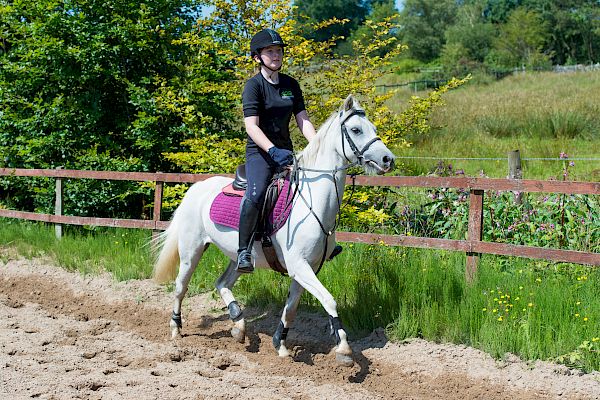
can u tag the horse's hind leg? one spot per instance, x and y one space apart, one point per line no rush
224 285
288 316
307 278
189 256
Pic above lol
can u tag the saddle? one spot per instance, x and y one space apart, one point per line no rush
225 210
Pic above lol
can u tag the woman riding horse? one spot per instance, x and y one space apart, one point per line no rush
269 99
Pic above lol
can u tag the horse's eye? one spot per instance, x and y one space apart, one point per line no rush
356 131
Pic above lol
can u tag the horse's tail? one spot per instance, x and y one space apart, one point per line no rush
165 265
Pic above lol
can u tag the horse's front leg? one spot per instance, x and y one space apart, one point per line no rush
288 316
306 277
224 285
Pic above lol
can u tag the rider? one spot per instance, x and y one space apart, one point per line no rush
269 99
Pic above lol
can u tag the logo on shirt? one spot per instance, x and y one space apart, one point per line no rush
287 94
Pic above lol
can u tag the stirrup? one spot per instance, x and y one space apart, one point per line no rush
244 262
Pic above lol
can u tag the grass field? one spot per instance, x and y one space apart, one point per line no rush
535 309
540 114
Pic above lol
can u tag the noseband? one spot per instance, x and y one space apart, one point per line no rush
358 153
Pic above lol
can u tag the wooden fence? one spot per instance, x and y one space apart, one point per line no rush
473 246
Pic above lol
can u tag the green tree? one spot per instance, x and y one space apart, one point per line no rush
573 25
89 84
498 11
380 11
472 32
423 24
312 12
520 41
573 35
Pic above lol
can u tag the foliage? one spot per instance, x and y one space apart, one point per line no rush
76 75
520 41
313 12
105 80
423 25
380 12
573 34
472 33
502 34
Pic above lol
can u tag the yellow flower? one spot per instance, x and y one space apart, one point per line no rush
578 303
595 339
530 305
585 319
494 310
538 279
500 318
484 309
576 315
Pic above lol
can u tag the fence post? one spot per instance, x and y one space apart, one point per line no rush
158 196
515 171
475 231
58 205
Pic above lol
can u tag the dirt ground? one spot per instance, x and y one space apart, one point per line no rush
67 336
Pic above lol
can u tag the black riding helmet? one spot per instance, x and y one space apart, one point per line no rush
265 38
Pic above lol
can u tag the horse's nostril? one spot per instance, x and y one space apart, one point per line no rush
386 159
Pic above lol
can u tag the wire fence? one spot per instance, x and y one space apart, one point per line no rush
440 77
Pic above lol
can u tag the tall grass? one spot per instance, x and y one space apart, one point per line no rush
535 309
541 114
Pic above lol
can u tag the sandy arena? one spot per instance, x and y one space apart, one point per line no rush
66 336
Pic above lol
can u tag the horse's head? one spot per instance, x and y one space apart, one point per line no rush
360 143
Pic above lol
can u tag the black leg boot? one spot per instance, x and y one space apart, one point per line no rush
248 219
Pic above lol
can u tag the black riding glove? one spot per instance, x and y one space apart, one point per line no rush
282 157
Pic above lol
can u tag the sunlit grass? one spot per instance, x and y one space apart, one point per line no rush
540 114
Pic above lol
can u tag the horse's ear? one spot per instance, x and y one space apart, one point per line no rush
350 103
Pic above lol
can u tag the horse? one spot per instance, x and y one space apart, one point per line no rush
305 240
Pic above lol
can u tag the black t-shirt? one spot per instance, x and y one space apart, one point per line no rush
273 104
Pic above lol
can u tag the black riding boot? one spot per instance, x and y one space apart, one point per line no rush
248 219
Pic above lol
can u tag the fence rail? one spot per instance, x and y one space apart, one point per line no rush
473 246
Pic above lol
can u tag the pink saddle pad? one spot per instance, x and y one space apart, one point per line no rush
225 209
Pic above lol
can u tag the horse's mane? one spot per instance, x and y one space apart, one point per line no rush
308 157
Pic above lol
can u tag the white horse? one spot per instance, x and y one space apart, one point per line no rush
346 138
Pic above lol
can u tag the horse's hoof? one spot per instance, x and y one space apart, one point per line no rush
283 352
175 333
238 334
344 360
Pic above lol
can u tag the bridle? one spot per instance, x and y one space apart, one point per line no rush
358 153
